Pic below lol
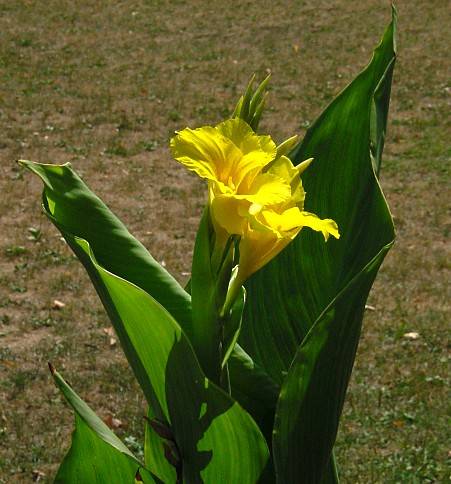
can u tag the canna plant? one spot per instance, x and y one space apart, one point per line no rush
245 370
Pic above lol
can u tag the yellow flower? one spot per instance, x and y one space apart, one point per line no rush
255 192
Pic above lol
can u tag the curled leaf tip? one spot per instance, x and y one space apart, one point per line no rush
23 163
51 368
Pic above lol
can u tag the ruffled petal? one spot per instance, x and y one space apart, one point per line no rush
270 232
240 134
230 213
256 151
283 168
254 192
327 226
283 223
206 152
267 189
250 166
244 138
293 219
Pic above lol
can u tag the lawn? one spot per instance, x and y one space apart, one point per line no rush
104 85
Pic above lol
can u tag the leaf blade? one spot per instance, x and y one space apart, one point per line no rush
65 196
77 211
307 275
312 398
285 330
199 413
96 452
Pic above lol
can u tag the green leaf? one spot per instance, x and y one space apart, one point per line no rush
96 454
287 299
254 389
199 413
245 109
71 206
76 210
258 95
340 184
205 335
331 473
312 395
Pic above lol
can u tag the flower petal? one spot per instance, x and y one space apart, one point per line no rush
289 222
283 224
257 248
206 152
270 232
257 151
327 226
230 213
284 168
267 189
244 138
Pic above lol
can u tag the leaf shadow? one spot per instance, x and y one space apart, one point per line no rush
194 403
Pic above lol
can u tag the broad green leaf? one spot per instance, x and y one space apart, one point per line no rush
331 473
216 437
254 389
96 454
76 210
312 396
66 202
71 206
287 298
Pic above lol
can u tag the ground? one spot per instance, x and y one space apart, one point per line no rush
104 85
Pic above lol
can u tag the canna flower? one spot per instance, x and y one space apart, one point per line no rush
255 192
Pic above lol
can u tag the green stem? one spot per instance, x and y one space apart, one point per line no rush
224 379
